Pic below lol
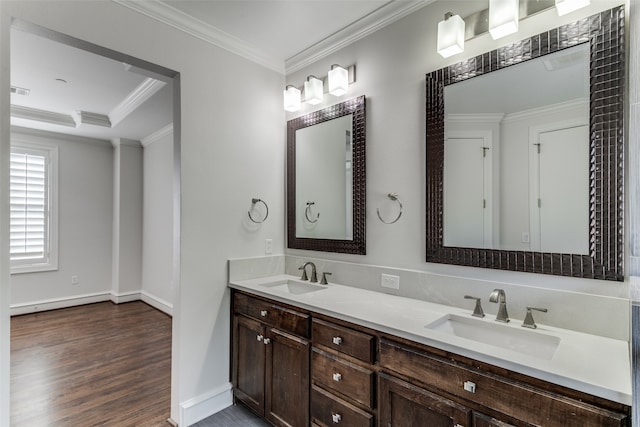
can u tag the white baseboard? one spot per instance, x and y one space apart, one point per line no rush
205 405
125 297
53 304
157 303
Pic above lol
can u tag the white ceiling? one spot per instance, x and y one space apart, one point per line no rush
283 35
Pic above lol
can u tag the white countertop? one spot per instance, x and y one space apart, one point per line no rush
588 363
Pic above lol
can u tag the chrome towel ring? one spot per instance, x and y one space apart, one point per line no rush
253 204
392 196
307 213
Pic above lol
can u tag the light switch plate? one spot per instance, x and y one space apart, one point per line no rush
390 281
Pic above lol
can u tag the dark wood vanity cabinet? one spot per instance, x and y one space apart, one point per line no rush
271 364
299 368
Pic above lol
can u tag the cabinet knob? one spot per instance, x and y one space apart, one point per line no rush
266 341
470 386
336 418
260 337
337 340
337 376
264 313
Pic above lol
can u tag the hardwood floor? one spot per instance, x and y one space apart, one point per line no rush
233 416
95 365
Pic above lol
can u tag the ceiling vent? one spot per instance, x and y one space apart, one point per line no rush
20 90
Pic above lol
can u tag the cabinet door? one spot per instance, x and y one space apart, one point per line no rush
404 405
287 379
249 367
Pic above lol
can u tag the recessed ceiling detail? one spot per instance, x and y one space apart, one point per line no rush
135 99
34 114
89 118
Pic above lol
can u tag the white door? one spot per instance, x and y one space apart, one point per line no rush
562 203
466 167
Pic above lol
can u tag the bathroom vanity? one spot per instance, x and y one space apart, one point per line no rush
307 354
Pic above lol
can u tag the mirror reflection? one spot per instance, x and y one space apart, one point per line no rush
324 179
516 157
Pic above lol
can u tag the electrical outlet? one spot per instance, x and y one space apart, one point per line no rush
390 281
268 246
74 280
525 237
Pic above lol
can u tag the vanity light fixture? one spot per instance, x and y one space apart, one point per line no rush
451 35
338 80
503 17
292 98
313 90
567 6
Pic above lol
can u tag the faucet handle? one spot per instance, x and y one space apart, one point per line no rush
304 273
477 311
323 281
528 319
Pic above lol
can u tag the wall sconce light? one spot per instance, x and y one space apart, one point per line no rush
292 98
338 80
313 90
567 6
503 17
451 35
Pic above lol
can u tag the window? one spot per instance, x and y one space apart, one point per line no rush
33 222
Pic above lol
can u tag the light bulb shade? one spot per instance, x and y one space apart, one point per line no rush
313 90
503 17
451 36
338 81
291 98
567 6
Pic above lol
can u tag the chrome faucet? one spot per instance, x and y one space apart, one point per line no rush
499 297
314 276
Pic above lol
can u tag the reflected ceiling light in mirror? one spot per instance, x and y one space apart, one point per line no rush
338 80
568 6
313 90
451 35
292 98
503 17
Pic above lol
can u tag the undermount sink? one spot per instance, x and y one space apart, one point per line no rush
295 287
498 335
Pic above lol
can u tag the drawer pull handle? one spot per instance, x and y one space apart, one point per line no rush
336 418
337 376
259 337
264 313
470 386
337 340
266 341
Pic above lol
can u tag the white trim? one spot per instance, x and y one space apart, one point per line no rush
124 142
549 109
155 136
379 18
55 303
37 115
63 137
136 98
95 119
474 118
157 303
177 19
125 297
205 405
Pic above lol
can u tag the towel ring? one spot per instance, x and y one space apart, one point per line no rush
307 213
253 203
392 196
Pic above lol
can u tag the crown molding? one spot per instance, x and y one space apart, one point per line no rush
157 135
379 18
125 142
177 19
390 12
96 119
37 115
136 98
65 137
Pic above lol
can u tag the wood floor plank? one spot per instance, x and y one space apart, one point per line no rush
95 365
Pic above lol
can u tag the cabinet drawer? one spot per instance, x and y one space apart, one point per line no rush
343 377
271 314
516 399
345 340
328 410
